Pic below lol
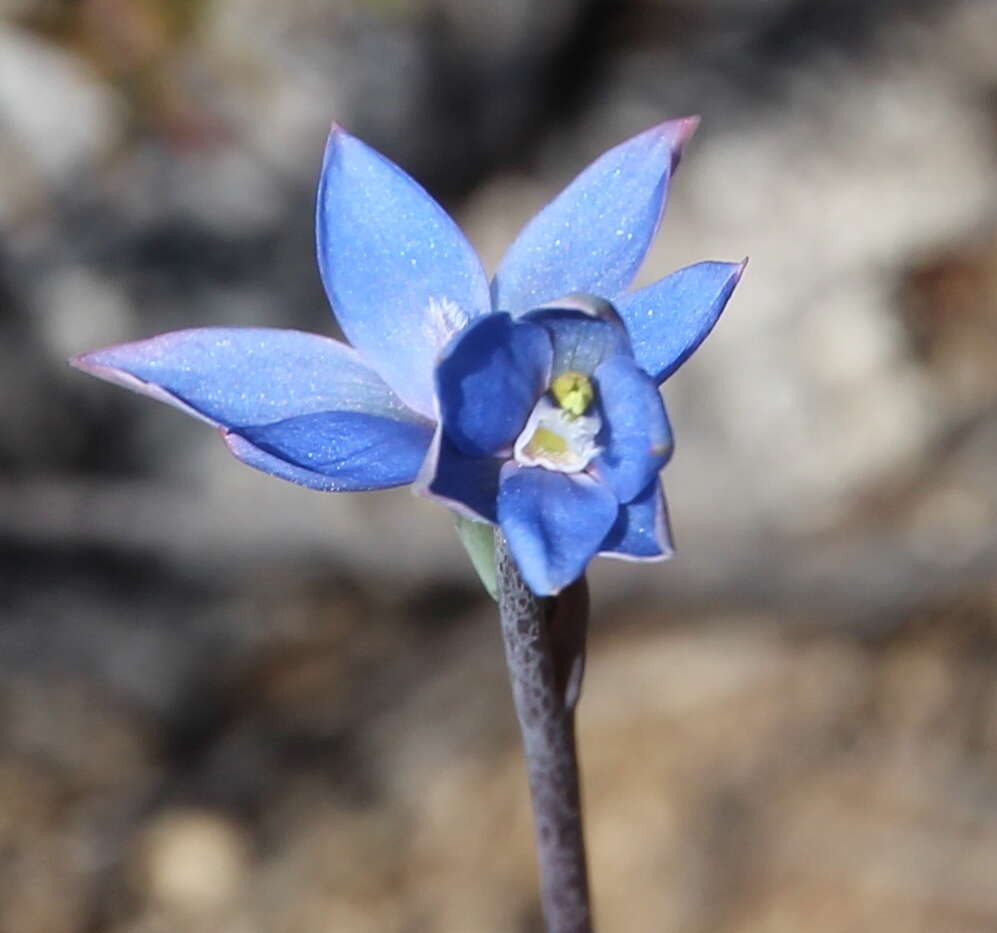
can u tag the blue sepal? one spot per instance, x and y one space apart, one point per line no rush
554 523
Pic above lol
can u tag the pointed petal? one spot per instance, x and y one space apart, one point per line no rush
641 531
468 485
636 433
669 319
554 523
295 405
488 381
583 331
335 451
594 235
400 275
233 376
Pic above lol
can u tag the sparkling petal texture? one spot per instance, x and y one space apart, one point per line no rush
669 319
488 381
432 343
274 466
594 235
636 433
235 376
400 276
554 523
641 530
581 340
353 450
469 485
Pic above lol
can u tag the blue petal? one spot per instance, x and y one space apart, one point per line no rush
400 275
554 523
295 405
235 376
468 485
594 235
636 433
669 319
334 450
489 381
641 530
583 331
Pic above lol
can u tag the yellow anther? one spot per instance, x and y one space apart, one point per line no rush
573 392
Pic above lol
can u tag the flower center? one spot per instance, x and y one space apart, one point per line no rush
561 430
573 392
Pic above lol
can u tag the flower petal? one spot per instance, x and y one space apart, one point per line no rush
637 436
234 376
488 381
669 319
554 523
400 276
337 451
583 331
594 235
468 485
641 530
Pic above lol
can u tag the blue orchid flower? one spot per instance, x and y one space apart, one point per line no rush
530 402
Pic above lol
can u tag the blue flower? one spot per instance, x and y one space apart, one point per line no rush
530 402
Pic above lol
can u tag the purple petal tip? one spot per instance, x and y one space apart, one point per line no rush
88 363
679 132
80 361
338 135
684 127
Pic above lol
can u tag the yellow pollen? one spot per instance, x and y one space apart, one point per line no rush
573 392
545 441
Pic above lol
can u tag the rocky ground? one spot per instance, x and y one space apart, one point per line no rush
217 715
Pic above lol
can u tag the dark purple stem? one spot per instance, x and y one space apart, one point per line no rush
545 651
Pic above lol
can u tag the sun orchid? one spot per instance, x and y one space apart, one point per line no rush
530 402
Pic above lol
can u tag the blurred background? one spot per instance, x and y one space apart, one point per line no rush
229 704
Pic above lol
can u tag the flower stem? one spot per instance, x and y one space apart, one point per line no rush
545 652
